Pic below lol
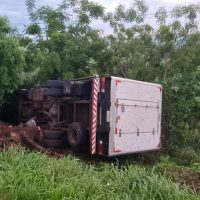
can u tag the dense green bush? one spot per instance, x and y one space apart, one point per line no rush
182 93
11 60
186 155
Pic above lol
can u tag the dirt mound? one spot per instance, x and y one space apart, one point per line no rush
11 135
27 136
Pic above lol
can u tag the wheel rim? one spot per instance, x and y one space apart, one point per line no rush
75 136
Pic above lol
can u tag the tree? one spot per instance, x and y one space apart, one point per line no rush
66 46
11 60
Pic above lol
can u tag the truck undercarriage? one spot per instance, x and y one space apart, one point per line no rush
64 108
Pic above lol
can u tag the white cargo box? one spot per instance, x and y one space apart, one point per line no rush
134 116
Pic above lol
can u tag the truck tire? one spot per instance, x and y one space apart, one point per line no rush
54 83
23 92
76 135
27 111
53 134
30 94
53 92
53 142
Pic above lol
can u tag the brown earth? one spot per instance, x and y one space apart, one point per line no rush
10 135
29 137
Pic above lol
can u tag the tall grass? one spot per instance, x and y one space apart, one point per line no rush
30 175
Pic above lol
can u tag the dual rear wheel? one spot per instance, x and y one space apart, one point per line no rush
74 137
53 138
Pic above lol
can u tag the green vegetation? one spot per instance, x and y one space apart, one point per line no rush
11 60
29 175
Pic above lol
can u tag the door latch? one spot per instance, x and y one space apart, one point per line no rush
123 107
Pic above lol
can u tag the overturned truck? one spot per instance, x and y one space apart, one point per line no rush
107 115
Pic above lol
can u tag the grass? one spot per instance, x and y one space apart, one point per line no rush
31 175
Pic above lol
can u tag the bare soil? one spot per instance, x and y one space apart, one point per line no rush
29 137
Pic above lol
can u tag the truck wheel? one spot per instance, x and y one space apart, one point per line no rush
23 92
53 134
27 111
76 135
53 142
53 92
26 94
54 83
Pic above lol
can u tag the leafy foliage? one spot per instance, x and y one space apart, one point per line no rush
11 60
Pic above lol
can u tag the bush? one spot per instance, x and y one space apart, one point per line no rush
181 95
11 60
185 156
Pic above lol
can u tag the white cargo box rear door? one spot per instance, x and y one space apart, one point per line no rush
135 116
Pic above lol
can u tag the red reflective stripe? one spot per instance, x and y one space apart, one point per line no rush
116 150
118 81
94 117
158 146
